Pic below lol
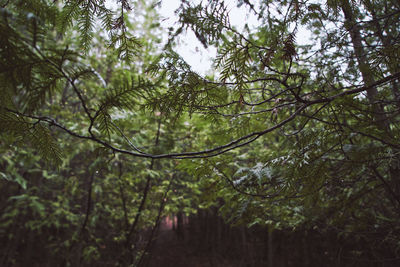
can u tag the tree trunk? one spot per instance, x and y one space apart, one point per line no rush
366 71
179 226
368 77
270 246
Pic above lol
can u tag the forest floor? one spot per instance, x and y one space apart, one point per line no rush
169 250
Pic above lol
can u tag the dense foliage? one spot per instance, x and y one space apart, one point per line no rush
103 132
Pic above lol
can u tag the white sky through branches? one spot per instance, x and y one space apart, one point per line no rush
194 52
189 47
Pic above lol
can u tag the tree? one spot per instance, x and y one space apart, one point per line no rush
313 127
62 212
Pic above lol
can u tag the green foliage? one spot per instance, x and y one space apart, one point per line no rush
207 22
280 135
83 14
35 133
45 144
234 60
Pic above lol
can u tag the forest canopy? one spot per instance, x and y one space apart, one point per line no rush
103 126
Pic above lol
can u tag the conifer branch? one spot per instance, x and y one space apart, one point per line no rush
218 150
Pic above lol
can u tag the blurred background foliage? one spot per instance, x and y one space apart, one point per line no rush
105 130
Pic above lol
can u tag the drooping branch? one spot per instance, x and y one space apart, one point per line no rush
218 150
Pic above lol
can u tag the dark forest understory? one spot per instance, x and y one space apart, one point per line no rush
205 241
